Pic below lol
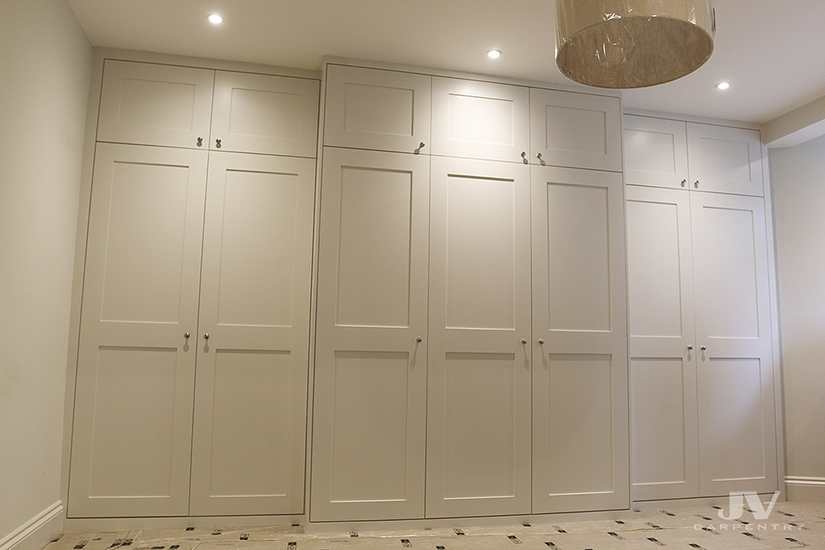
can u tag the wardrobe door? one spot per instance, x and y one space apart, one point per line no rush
256 113
377 109
136 365
480 120
576 130
725 160
655 152
737 445
371 340
663 413
250 397
478 399
580 420
148 104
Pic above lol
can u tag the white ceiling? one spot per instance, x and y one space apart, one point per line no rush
771 51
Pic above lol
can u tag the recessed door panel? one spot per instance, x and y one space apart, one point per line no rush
736 423
578 266
148 104
265 114
663 419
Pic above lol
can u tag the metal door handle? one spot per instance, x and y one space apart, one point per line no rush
218 143
186 335
206 336
703 348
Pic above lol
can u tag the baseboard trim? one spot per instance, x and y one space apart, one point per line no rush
36 533
805 489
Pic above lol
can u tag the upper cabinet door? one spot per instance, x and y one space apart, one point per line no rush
265 114
655 152
150 104
377 109
725 160
480 120
575 130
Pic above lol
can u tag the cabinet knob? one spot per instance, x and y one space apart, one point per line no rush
684 182
200 142
186 335
419 339
703 348
696 184
690 347
541 340
420 146
218 143
206 336
524 340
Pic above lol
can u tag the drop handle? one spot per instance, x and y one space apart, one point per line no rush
419 339
704 348
696 184
690 347
206 336
541 341
524 340
538 156
200 142
218 143
186 335
684 182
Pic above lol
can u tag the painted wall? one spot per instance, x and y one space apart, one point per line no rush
45 64
798 180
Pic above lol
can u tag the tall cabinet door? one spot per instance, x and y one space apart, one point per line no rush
663 413
478 436
136 367
580 426
371 354
737 444
250 397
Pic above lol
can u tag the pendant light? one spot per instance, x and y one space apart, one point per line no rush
632 43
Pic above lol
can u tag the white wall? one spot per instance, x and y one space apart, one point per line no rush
798 180
45 64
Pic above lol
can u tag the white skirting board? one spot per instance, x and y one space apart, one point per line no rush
804 489
36 533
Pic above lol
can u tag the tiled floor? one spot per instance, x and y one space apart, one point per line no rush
790 525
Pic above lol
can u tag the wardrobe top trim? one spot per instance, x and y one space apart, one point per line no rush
699 120
329 60
103 54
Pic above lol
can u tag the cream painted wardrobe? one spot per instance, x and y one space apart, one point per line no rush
702 376
195 314
471 345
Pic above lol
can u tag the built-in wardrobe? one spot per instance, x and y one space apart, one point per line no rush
478 303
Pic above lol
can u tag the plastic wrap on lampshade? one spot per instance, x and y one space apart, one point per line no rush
632 43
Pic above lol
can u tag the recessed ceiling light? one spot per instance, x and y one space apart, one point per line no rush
215 19
493 54
723 85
